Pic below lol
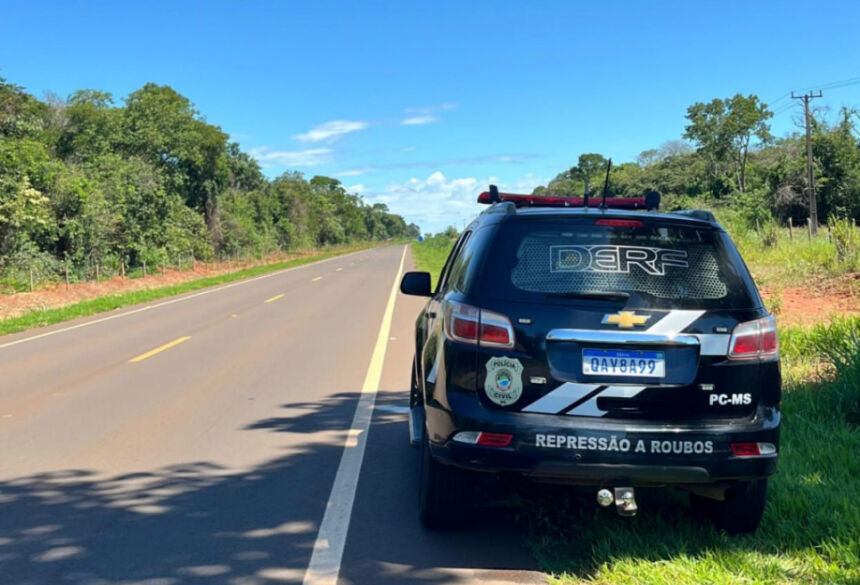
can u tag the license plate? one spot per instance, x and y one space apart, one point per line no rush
630 363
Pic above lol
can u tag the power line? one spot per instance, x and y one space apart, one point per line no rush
829 85
779 99
834 84
832 87
783 108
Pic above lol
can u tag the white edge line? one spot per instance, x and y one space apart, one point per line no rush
171 301
324 566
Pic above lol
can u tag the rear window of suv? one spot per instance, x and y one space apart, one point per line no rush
658 264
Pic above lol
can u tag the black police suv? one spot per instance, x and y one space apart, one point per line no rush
602 345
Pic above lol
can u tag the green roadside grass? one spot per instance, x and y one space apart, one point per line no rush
430 255
811 527
103 304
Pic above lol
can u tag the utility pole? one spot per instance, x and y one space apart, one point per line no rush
810 179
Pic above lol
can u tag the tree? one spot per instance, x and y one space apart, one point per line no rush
576 179
85 181
837 155
25 214
723 130
162 126
589 166
21 115
92 128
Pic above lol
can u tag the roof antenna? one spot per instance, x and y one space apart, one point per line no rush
494 194
606 184
652 200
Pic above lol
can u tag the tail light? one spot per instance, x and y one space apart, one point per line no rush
754 340
468 324
753 449
484 439
630 223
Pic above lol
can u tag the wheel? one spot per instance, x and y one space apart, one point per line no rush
442 492
740 512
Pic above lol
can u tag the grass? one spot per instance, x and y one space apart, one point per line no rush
790 262
45 317
780 259
811 528
430 255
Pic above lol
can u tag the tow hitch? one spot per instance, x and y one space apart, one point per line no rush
624 498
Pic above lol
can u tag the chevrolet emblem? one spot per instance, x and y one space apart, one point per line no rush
625 319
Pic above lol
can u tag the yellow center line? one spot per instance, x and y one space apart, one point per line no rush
316 279
338 269
152 352
275 298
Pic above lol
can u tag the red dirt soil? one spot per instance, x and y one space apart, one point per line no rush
59 295
802 305
817 302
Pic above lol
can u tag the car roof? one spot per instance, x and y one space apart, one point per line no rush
505 211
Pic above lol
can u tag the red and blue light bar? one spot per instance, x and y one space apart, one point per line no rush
494 196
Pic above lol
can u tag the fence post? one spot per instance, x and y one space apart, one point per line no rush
67 273
97 272
809 229
144 268
122 270
31 279
163 266
790 232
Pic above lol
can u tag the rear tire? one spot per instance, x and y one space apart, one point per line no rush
442 491
740 512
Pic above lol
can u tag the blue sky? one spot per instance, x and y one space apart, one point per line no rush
421 104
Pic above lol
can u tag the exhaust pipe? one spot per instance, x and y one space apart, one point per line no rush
605 498
623 497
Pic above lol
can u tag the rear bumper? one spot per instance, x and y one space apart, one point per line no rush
591 451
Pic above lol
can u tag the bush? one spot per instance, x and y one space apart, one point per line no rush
15 268
837 343
846 238
769 233
774 303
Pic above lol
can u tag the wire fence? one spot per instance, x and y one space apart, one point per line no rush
28 274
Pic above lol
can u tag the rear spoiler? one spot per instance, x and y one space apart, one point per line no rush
650 202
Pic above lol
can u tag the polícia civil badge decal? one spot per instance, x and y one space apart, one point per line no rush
504 381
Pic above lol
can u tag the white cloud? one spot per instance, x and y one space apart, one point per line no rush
437 202
291 158
355 172
331 130
419 120
514 159
431 109
359 188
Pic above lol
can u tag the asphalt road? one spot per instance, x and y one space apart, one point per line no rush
207 438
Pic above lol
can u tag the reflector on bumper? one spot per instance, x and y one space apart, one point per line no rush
483 439
753 449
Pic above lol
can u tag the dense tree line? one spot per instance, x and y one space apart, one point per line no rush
728 158
86 182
